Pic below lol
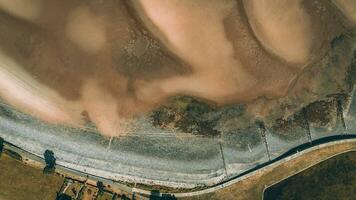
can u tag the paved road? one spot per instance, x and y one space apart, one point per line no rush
80 175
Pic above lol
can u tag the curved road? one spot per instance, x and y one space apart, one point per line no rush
297 152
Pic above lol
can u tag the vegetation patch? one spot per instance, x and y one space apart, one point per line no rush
186 114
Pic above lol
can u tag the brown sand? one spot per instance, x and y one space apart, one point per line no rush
64 77
283 27
77 61
29 10
348 7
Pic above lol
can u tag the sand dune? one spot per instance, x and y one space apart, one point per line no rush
25 93
195 32
109 61
29 10
283 27
348 7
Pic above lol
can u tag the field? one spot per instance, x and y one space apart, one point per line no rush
336 176
21 182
